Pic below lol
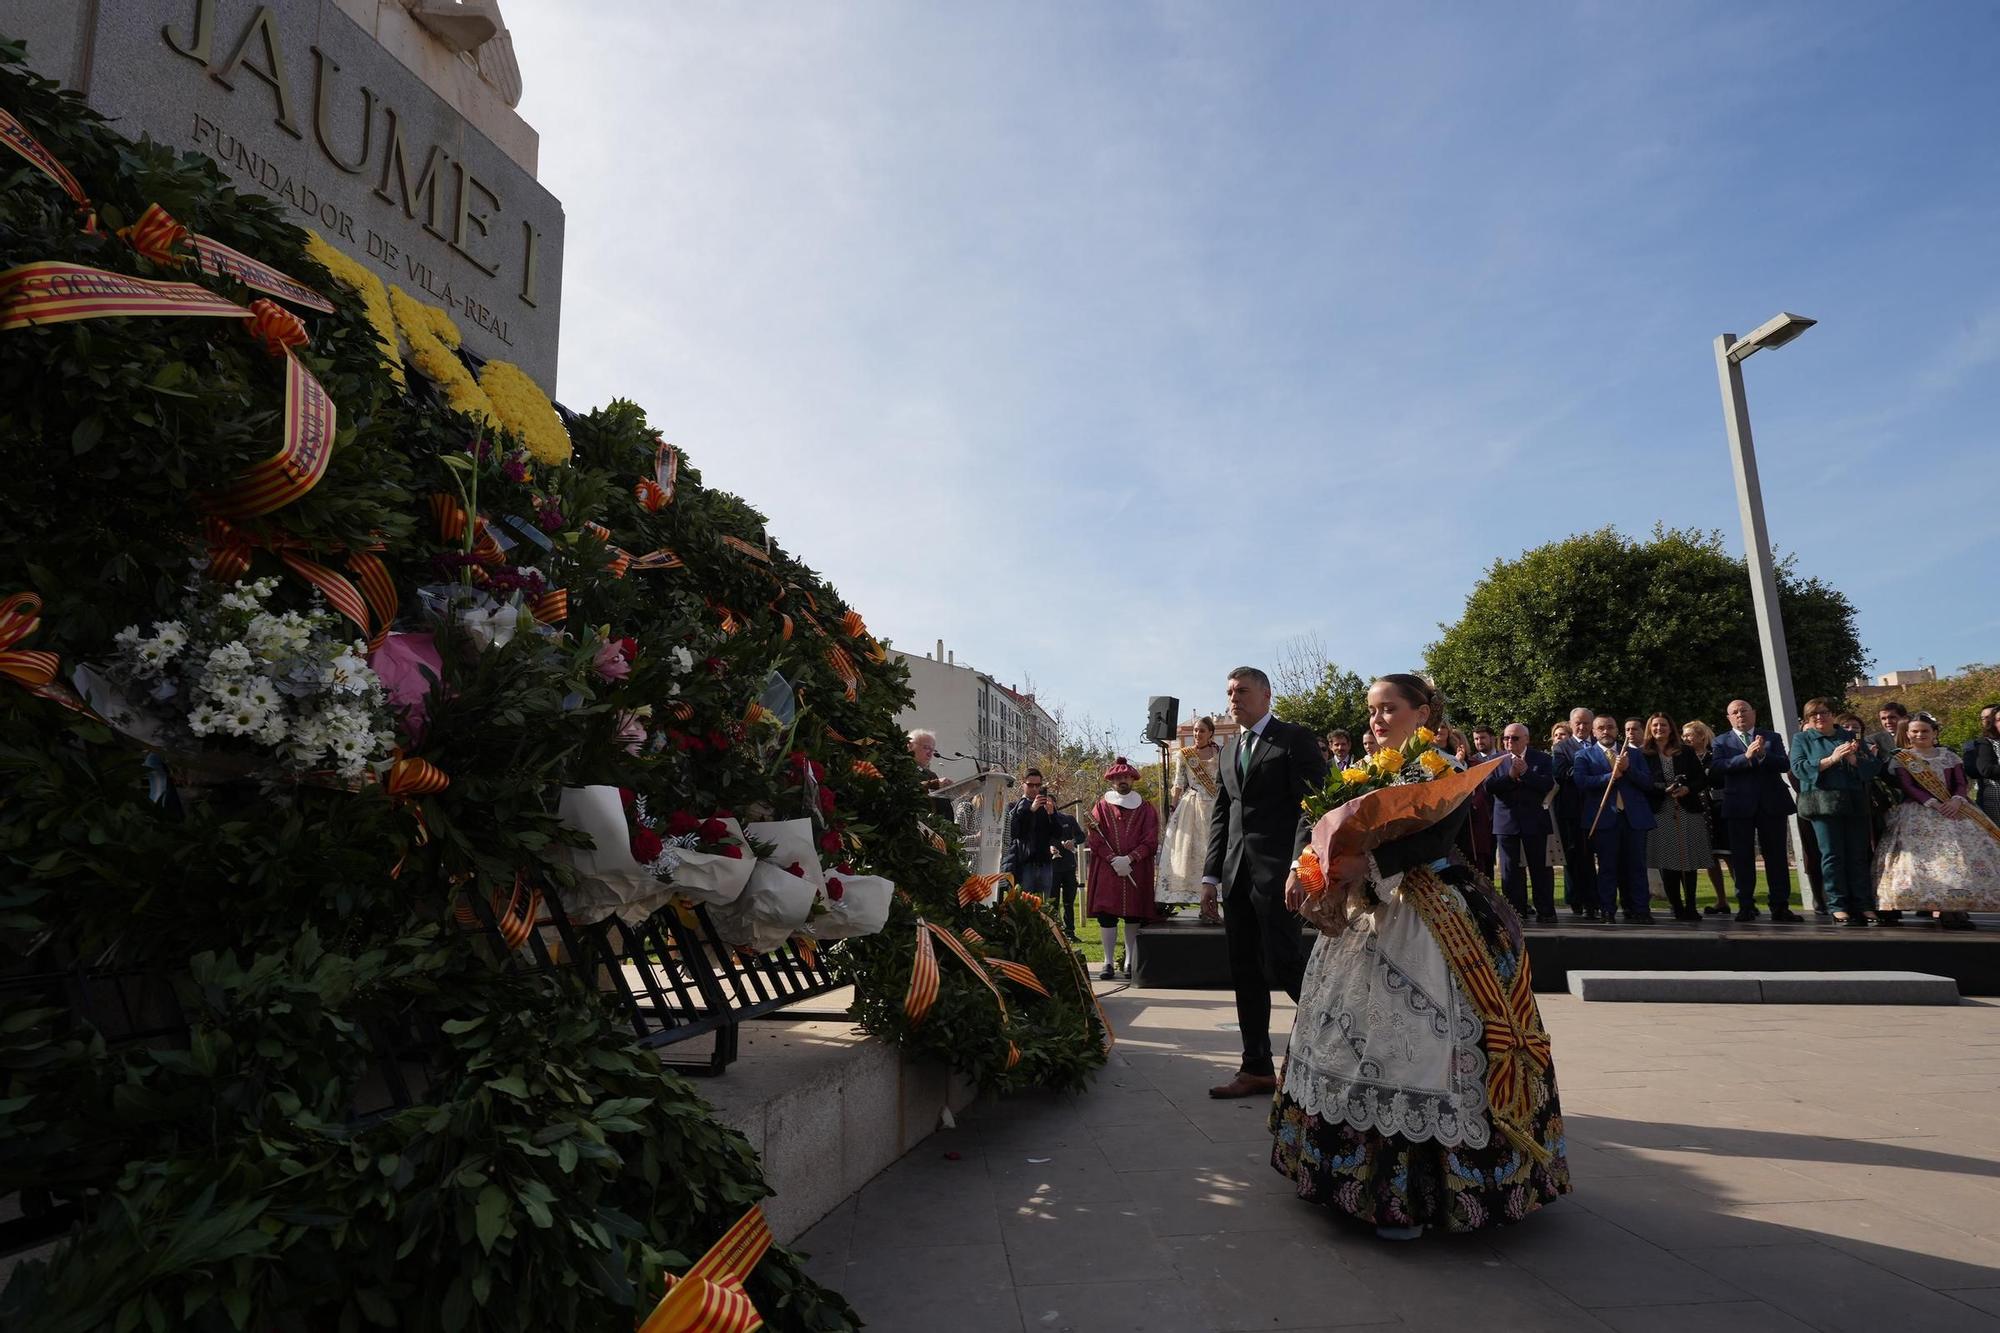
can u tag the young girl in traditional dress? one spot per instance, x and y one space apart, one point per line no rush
1186 843
1938 850
1418 1089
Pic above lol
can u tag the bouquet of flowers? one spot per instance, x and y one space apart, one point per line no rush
285 689
1387 767
1398 790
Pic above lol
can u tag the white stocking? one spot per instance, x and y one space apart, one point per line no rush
1109 934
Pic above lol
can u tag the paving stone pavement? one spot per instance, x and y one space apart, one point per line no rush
1766 1169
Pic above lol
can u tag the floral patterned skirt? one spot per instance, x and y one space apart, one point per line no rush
1390 1180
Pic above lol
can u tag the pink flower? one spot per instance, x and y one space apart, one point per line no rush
610 662
401 662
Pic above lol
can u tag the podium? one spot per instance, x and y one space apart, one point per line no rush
979 809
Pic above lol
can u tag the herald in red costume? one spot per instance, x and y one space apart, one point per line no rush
1124 825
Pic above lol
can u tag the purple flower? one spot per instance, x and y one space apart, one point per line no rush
549 517
515 468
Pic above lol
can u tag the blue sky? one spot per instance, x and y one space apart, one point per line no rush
1076 335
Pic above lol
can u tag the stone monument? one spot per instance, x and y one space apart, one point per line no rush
388 126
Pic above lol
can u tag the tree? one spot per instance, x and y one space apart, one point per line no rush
1336 698
1632 627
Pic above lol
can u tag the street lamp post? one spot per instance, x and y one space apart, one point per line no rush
1730 354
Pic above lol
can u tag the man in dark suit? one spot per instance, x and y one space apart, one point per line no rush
1521 823
1750 762
1579 866
1618 787
1069 837
1031 838
1254 839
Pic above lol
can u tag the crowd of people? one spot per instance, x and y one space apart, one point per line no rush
1891 821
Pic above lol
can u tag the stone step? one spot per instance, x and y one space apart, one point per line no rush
1721 987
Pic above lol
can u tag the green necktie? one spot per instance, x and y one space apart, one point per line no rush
1243 753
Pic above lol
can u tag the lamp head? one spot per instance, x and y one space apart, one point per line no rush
1774 332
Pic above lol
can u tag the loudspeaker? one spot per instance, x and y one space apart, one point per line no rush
1163 719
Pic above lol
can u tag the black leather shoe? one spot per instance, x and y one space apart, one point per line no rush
1747 915
1592 916
1546 919
1789 918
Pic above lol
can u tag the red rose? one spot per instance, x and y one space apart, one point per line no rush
796 869
813 766
845 869
718 740
713 830
680 823
625 796
835 890
732 850
725 814
631 647
646 845
714 665
826 800
829 841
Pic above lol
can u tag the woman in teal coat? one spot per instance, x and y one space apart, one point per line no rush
1834 768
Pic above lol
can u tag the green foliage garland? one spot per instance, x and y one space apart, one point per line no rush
224 1136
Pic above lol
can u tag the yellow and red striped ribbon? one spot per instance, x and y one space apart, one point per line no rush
409 778
843 666
222 261
54 292
17 137
1517 1046
20 616
372 607
657 560
552 607
1019 973
925 980
514 917
449 515
618 560
709 1297
656 492
978 888
751 549
1082 979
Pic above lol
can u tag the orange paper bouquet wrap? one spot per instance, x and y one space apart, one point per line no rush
1346 834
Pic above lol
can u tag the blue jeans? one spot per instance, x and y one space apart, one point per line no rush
1037 877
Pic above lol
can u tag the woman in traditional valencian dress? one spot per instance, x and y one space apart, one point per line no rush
1418 1088
1186 842
1939 850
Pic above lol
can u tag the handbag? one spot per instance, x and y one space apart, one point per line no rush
1820 803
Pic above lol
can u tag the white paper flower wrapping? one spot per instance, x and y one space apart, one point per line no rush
862 909
710 877
610 882
775 903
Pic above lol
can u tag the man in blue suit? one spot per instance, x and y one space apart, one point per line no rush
1624 818
1521 823
1751 764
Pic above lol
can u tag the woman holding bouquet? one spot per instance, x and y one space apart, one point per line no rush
1418 1089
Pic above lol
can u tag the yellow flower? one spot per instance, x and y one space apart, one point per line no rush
1388 761
374 300
1433 762
1355 774
1426 735
524 409
431 336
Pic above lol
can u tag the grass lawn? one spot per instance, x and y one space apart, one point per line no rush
1093 949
